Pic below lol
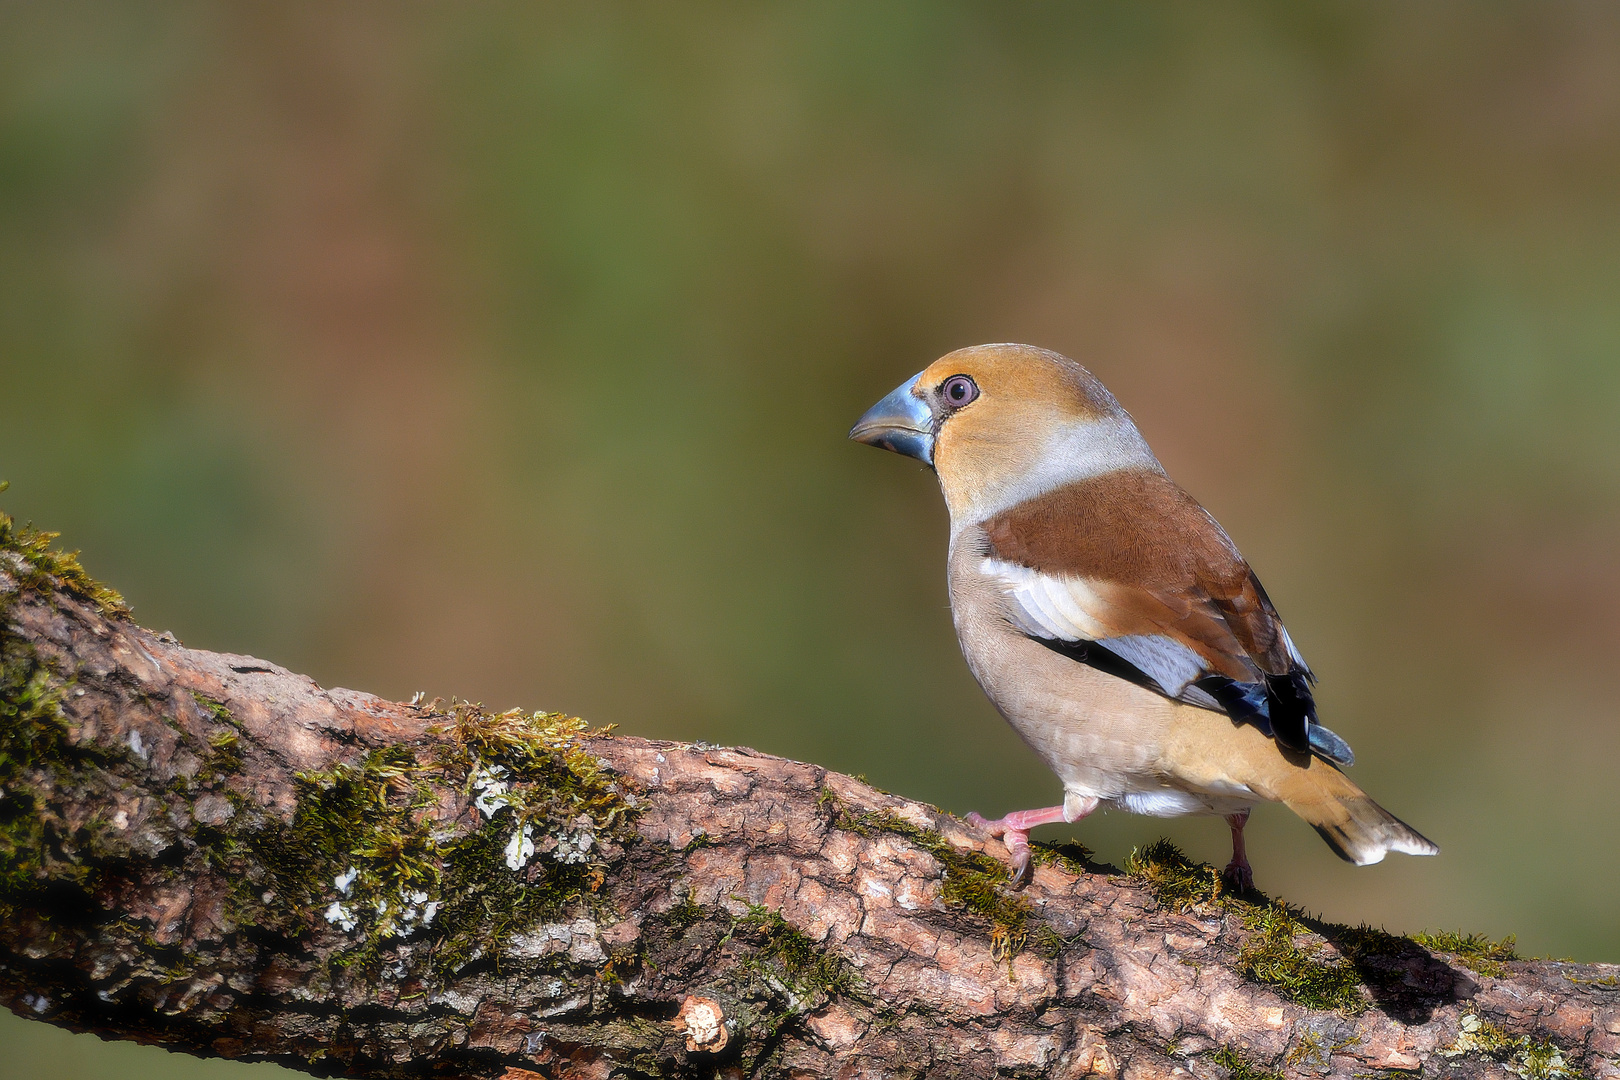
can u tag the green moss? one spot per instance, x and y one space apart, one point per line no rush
27 556
35 746
1309 1051
1607 982
1239 1066
554 775
1271 953
1480 1035
684 915
1474 951
37 754
785 952
488 902
1176 882
33 738
224 757
1072 857
1272 956
216 709
366 848
971 880
361 817
559 791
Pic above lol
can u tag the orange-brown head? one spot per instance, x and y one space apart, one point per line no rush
1003 423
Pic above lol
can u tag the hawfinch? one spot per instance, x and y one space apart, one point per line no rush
1110 618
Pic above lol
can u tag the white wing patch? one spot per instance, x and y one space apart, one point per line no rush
1047 606
1056 608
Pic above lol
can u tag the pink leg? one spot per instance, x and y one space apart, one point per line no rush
1014 832
1238 875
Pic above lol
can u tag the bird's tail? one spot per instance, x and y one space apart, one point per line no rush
1205 751
1355 827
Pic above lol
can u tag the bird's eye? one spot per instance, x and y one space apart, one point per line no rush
959 390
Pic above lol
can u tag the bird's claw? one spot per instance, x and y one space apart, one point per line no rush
1019 863
1238 877
1020 867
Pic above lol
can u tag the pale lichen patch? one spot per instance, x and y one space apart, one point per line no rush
1529 1059
520 848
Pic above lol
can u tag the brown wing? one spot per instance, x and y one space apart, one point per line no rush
1153 562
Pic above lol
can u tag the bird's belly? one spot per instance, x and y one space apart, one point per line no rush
1103 737
1097 732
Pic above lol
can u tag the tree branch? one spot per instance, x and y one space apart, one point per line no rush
212 853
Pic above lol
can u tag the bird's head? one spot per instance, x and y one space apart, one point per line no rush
1003 423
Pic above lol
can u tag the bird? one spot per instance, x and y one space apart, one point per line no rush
1110 619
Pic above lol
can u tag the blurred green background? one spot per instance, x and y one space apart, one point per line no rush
508 352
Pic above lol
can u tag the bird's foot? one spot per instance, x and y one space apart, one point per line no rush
1238 876
1014 832
1019 860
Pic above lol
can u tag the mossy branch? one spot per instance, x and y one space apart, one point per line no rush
215 854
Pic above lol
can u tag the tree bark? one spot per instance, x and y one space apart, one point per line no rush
211 853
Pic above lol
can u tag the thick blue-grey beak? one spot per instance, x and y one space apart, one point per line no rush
901 422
